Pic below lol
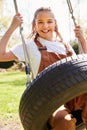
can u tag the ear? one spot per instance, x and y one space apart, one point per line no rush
34 26
55 22
56 26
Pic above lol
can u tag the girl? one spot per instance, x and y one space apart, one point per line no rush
44 38
45 47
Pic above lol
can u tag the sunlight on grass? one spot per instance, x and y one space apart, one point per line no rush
12 86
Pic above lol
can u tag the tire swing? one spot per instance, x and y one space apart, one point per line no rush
54 86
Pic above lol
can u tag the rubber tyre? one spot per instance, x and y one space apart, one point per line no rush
57 84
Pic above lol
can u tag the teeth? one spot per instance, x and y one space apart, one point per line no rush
45 31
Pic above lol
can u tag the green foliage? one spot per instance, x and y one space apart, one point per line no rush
6 64
4 22
76 48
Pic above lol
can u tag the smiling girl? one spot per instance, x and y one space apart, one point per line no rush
45 46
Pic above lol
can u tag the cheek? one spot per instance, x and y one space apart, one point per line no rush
53 26
38 27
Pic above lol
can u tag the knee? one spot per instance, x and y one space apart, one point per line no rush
62 120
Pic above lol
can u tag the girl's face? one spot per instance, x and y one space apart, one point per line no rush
45 25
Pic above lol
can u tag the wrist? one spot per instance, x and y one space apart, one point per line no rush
10 30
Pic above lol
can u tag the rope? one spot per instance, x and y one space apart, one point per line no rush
75 24
71 11
26 54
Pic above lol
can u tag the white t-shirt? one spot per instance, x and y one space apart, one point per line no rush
34 53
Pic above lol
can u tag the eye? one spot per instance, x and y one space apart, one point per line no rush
40 22
50 21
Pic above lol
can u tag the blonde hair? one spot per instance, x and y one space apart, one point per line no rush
34 33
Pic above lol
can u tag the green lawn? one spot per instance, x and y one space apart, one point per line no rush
12 85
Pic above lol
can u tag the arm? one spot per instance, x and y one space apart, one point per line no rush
79 35
4 54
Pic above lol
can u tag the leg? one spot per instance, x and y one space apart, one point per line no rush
84 108
62 120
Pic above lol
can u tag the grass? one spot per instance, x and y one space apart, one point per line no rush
12 85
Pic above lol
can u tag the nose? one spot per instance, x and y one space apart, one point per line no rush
45 25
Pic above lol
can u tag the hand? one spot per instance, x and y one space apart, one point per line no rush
81 38
17 21
78 32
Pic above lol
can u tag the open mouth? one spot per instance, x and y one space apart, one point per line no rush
45 31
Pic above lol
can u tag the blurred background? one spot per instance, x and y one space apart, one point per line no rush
13 80
59 7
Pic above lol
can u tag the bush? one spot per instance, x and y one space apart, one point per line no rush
75 47
6 65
